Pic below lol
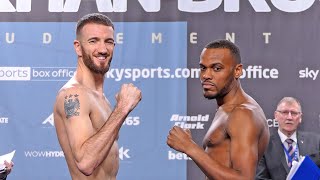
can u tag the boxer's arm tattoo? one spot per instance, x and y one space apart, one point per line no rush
71 105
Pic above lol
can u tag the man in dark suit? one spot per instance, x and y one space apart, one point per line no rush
281 152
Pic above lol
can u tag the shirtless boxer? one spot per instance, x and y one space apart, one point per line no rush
86 126
238 135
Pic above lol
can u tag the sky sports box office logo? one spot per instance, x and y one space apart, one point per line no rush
65 73
36 73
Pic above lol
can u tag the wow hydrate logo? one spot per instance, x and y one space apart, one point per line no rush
191 6
44 154
36 73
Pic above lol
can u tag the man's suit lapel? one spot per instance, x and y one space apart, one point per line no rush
301 140
280 151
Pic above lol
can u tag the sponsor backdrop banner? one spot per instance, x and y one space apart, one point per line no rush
157 48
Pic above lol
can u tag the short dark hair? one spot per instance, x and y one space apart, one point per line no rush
96 18
225 44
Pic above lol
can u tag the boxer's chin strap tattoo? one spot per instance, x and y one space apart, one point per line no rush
71 105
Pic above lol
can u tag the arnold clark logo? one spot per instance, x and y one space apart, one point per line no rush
190 122
191 6
186 122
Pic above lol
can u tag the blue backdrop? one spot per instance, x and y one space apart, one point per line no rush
41 59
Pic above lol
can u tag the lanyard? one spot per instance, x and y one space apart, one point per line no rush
287 153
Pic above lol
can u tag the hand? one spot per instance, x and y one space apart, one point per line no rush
180 139
128 97
9 166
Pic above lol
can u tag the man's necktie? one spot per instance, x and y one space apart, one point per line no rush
290 152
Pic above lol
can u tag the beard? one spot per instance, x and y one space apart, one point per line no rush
94 68
221 93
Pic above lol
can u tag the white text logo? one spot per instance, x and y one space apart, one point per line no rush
135 73
257 72
177 156
49 120
190 122
155 5
44 154
52 73
124 153
308 73
132 121
15 73
272 123
4 120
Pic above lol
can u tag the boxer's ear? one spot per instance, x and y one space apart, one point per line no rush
238 71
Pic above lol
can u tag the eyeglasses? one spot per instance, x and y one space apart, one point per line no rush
286 113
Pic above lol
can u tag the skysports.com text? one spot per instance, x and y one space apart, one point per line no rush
165 73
